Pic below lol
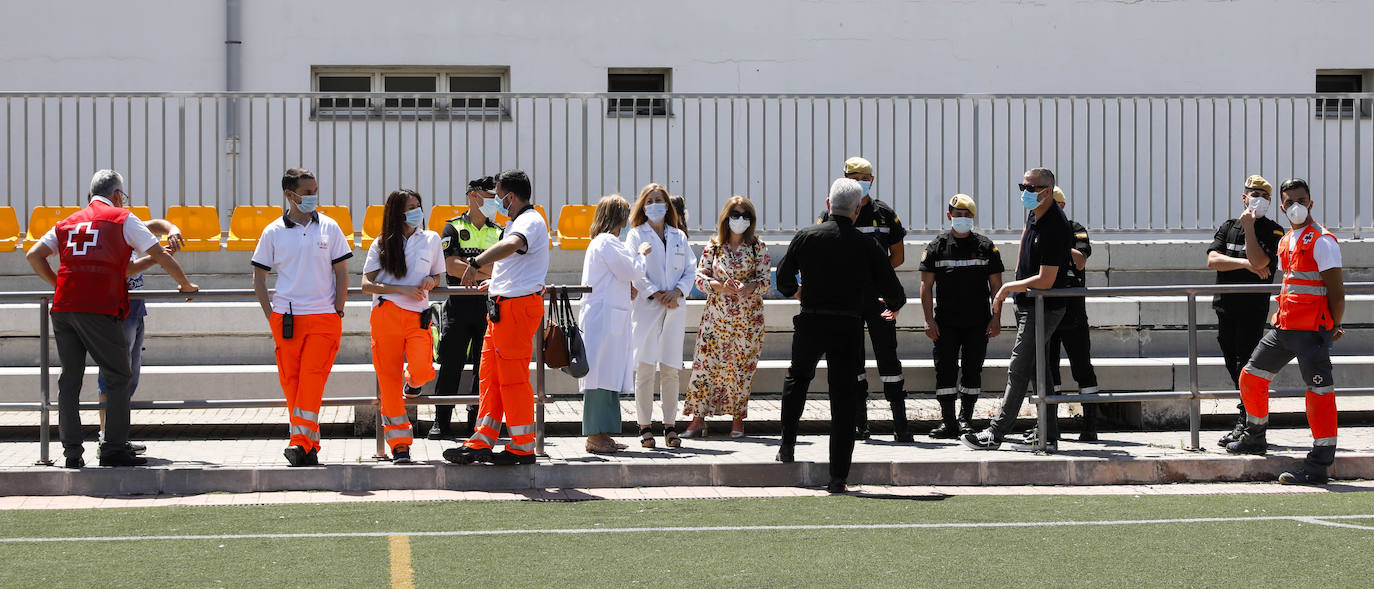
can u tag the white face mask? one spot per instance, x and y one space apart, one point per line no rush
1258 204
489 207
961 224
1296 213
739 225
656 211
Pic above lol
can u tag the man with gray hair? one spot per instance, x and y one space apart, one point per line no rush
840 267
91 300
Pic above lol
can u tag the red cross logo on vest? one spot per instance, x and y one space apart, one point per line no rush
82 238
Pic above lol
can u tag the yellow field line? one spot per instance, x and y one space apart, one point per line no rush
401 575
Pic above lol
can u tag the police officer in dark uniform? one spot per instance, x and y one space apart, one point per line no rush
1073 331
960 270
465 317
1244 251
878 220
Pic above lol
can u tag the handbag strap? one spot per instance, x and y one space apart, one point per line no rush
567 307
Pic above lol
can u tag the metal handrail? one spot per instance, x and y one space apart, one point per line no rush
1193 395
45 405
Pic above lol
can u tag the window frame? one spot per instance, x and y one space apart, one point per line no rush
1344 108
614 108
439 109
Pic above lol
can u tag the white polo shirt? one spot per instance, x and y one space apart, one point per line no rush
424 257
136 234
304 258
524 272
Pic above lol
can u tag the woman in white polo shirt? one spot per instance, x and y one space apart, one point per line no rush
402 265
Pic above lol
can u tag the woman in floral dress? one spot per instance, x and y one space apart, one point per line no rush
734 273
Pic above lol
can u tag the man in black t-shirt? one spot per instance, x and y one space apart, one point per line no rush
1045 245
1074 333
1244 251
960 270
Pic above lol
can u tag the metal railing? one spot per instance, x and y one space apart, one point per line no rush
1194 396
44 406
1129 163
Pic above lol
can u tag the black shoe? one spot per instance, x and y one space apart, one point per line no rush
835 487
312 458
122 457
1087 436
903 437
437 432
1232 435
1030 442
75 462
983 440
508 458
130 446
945 431
785 455
412 392
295 455
862 433
466 455
1249 443
1304 475
401 455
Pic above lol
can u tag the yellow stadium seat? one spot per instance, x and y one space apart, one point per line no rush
342 216
246 225
440 214
574 227
199 227
43 219
10 235
143 213
372 224
502 219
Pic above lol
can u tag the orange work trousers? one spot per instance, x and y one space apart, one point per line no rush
505 376
303 365
398 340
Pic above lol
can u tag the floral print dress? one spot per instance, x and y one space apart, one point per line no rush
731 332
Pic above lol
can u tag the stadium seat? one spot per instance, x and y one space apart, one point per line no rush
342 216
574 226
246 225
10 235
143 213
372 224
502 219
440 214
199 227
43 219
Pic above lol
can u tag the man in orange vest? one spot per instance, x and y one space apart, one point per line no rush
1309 320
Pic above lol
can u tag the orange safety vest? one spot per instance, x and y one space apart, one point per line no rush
1302 302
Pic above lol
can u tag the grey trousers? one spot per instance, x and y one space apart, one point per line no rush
1021 371
102 336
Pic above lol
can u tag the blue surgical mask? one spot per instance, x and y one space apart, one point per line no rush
1030 200
415 217
308 202
866 184
501 207
490 206
961 224
656 211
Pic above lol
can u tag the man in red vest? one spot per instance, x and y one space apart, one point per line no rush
90 303
1309 320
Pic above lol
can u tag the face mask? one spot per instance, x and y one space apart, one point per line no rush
501 206
866 184
1258 204
656 211
414 217
1296 213
489 207
961 224
739 225
308 202
1030 200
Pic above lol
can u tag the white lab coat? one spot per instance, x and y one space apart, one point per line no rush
658 330
609 268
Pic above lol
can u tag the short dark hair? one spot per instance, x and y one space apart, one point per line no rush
1293 183
515 181
1044 172
292 178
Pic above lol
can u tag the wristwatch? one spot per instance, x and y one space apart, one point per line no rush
473 263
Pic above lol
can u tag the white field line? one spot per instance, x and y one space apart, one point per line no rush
1317 520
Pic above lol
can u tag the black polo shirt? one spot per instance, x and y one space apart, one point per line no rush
1230 241
1045 242
961 266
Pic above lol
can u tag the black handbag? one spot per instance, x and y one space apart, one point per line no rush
577 350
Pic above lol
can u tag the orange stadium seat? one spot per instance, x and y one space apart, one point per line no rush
575 227
502 219
342 216
143 213
199 226
246 225
43 219
372 224
10 235
440 214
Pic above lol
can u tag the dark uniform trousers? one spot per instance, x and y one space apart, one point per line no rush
102 336
840 340
960 347
883 335
1240 326
1074 335
465 324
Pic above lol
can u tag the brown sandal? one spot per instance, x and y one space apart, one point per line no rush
646 437
670 437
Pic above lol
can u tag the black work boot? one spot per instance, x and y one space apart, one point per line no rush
896 399
1313 469
1251 441
861 417
1089 432
949 426
966 403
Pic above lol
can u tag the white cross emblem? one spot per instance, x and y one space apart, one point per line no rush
88 237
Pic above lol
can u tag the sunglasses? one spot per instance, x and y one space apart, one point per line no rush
741 215
1031 187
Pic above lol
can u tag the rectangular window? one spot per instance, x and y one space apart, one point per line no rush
638 81
409 84
344 85
1342 82
414 80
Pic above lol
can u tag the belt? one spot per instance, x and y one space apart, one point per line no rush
829 313
499 298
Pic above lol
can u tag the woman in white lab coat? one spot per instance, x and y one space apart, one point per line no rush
660 317
616 275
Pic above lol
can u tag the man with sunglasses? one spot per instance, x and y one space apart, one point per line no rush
1244 251
1045 245
879 221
